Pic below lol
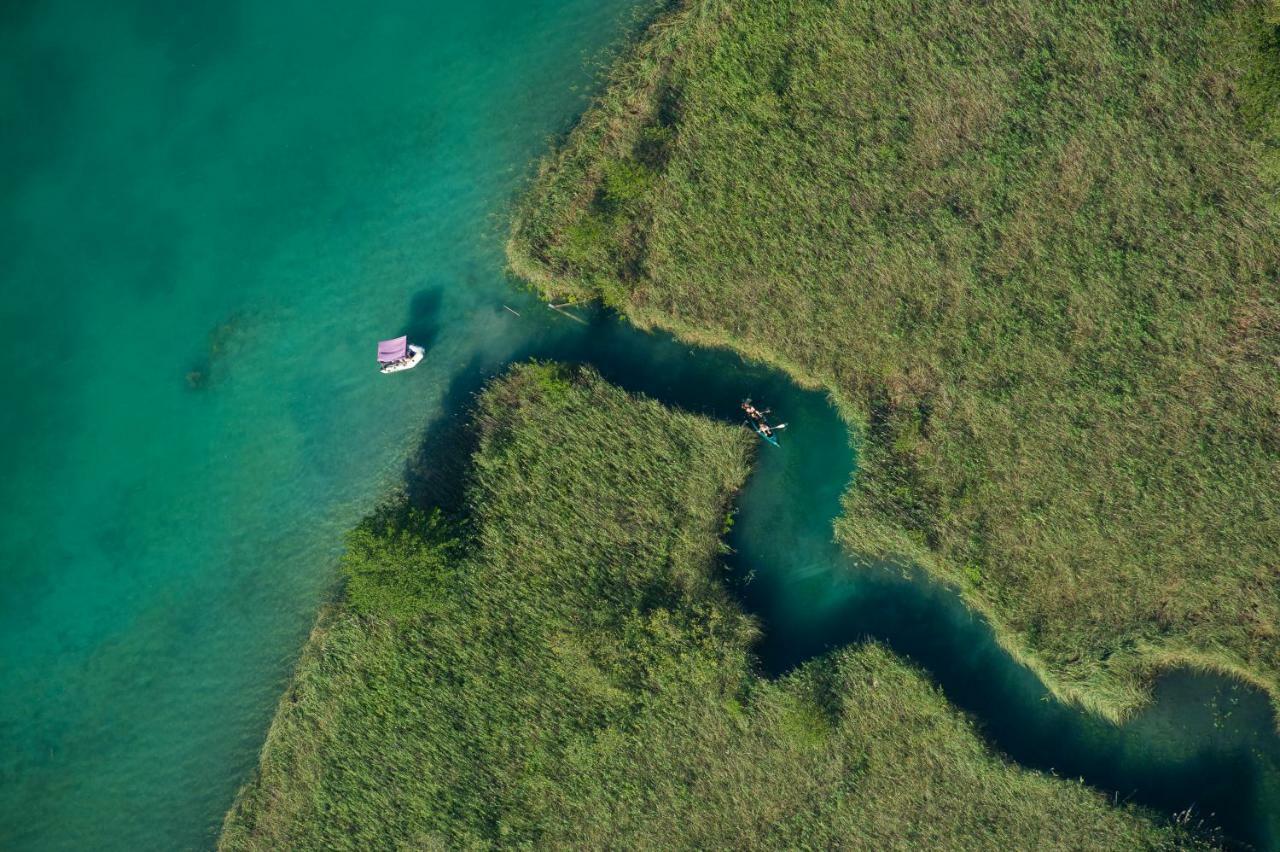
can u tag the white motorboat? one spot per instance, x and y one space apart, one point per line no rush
398 354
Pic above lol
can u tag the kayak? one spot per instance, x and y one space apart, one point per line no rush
771 438
759 425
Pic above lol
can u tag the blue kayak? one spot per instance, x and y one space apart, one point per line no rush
758 424
772 439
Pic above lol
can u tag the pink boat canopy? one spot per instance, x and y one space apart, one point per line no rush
393 350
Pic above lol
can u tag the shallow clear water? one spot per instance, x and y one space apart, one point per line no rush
209 214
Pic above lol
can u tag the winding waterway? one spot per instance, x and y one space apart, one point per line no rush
210 212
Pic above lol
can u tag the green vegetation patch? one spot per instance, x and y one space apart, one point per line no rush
1032 248
579 677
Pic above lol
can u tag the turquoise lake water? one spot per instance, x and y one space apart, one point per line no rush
254 193
208 214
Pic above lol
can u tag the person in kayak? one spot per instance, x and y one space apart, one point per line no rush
754 413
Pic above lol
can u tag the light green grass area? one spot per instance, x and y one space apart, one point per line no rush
564 669
1031 248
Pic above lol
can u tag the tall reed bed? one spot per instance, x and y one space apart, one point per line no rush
1032 250
562 668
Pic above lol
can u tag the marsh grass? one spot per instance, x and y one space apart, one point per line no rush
1032 250
580 678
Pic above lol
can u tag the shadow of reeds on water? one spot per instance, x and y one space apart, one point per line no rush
1205 750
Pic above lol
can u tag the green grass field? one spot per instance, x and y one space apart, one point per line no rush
1031 248
563 668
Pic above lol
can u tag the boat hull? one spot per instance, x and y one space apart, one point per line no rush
770 438
416 354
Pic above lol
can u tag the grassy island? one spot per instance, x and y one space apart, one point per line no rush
1030 248
562 667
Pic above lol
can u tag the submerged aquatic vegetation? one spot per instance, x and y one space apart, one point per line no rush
584 680
1030 248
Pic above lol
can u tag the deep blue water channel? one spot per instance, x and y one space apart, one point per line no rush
208 213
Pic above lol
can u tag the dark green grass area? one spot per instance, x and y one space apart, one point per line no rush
564 669
1031 248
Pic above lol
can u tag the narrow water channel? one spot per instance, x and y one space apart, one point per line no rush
1205 750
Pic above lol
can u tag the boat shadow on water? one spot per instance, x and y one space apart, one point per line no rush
423 323
1204 751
